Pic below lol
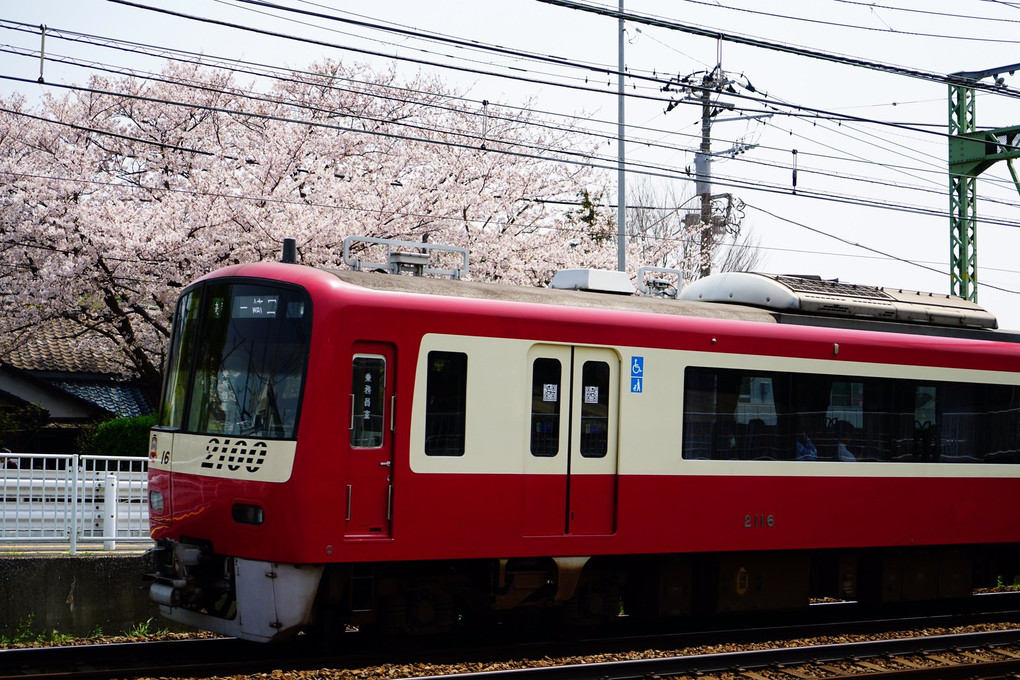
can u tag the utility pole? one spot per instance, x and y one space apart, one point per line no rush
711 82
703 174
621 173
971 153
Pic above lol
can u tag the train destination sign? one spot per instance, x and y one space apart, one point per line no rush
255 306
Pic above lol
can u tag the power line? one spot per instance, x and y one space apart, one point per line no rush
731 182
241 66
928 12
586 160
373 53
129 3
877 254
797 110
651 171
868 248
395 45
427 104
432 216
600 135
457 42
838 24
778 47
283 102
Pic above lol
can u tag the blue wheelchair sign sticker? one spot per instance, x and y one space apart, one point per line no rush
637 374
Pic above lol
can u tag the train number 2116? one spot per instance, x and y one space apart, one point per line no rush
759 521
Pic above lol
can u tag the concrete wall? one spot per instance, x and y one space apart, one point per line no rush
74 595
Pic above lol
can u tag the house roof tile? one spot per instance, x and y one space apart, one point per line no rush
65 346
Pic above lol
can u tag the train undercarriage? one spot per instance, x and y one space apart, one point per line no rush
266 601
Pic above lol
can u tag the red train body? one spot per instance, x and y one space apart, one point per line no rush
348 448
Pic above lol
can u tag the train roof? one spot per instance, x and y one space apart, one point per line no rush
740 296
831 297
550 296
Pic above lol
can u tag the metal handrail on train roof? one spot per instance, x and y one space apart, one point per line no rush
405 256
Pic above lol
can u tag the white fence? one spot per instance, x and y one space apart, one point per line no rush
71 499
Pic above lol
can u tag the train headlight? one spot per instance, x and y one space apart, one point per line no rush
245 513
156 502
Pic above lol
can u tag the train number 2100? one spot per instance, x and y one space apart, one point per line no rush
759 521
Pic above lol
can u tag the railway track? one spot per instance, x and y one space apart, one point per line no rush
971 655
180 658
765 652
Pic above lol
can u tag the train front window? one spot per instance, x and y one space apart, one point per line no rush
182 347
238 356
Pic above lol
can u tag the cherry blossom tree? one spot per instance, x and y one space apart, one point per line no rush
119 193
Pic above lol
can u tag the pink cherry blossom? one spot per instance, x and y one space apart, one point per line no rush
200 170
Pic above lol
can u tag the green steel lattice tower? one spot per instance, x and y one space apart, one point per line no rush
971 153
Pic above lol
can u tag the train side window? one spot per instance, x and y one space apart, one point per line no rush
733 413
545 407
594 409
699 413
445 403
925 443
998 414
368 401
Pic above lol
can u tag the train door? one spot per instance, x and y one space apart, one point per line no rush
592 467
369 506
545 464
570 469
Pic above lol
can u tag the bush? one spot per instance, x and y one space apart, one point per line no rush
124 436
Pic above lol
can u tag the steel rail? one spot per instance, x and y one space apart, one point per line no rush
639 669
227 656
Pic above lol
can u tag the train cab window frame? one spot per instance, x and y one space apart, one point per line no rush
368 401
239 357
445 403
173 400
546 398
818 417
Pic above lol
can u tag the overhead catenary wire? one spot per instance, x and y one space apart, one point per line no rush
825 22
604 69
820 113
867 248
927 12
883 164
575 158
795 50
561 229
601 135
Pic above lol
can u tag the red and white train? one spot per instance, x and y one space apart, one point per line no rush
350 448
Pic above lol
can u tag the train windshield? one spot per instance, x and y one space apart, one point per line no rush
237 360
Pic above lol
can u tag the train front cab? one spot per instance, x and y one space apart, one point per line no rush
221 456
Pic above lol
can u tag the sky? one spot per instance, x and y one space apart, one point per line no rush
871 202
